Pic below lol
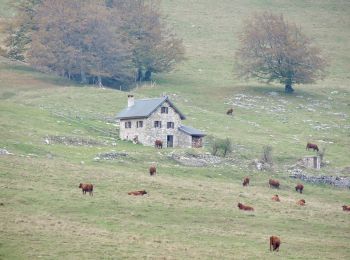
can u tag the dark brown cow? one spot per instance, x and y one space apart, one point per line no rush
346 208
301 202
158 144
275 198
87 187
138 193
244 207
275 243
245 181
274 183
312 146
152 170
299 188
229 112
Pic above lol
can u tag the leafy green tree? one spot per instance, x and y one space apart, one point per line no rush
271 49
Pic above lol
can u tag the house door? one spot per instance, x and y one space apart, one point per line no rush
169 140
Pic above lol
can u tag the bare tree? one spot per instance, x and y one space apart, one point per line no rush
271 49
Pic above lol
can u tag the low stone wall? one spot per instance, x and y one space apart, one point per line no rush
338 181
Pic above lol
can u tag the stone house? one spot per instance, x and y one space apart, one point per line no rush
148 120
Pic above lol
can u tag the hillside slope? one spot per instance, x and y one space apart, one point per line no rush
55 130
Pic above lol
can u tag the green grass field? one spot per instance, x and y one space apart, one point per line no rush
190 212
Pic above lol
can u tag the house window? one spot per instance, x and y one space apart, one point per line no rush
170 125
128 124
164 110
139 124
157 124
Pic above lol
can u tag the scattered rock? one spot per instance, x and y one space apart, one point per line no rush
4 152
196 160
110 156
71 140
261 165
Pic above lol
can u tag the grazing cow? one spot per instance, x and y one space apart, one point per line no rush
244 207
301 202
245 181
274 183
299 188
152 170
312 146
346 208
275 198
87 187
158 144
138 193
275 243
229 112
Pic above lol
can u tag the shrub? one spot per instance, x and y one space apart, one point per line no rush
266 156
219 147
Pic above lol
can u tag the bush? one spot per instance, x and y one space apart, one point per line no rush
219 147
266 156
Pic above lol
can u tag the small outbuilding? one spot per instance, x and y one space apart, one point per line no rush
148 120
312 162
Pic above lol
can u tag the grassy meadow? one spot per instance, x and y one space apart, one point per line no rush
190 212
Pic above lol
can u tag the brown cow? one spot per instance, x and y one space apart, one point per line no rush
138 193
275 243
158 144
152 170
299 187
274 183
229 112
275 198
87 187
301 202
311 146
244 207
346 208
245 181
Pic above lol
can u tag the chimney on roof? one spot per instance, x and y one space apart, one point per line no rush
131 100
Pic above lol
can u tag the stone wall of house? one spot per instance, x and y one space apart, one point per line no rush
148 133
185 140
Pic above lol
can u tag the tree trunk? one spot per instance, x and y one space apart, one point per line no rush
288 88
148 75
83 77
99 81
139 75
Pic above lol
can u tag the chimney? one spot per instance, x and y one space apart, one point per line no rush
131 100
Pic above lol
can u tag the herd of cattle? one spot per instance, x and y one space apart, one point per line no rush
275 241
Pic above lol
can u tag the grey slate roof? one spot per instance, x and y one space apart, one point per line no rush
145 107
191 131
